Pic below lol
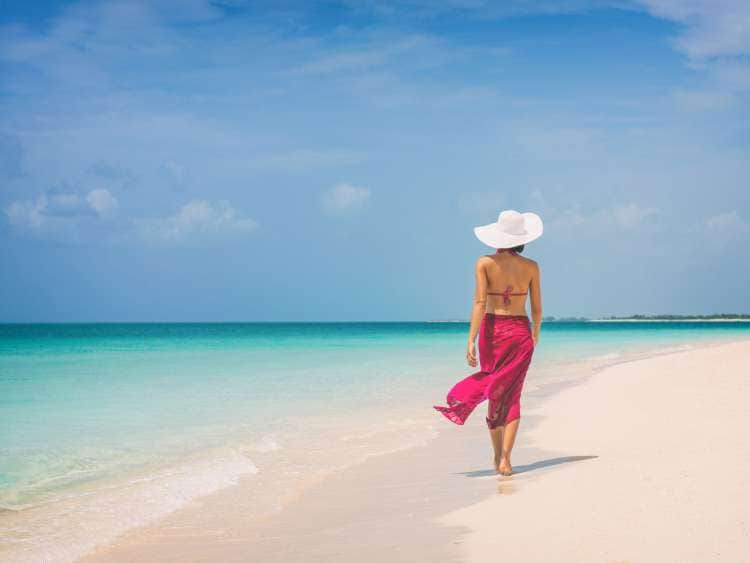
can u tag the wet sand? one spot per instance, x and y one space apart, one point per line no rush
644 461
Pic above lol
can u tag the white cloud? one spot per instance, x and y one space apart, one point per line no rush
342 62
304 159
71 218
370 55
715 37
697 100
729 222
197 220
724 228
733 74
712 28
344 197
631 216
478 8
61 204
56 208
26 214
101 201
574 218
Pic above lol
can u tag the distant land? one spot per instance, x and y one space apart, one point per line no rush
715 317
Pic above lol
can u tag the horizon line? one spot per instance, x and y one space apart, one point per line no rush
551 318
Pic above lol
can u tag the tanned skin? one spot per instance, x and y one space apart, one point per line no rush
494 273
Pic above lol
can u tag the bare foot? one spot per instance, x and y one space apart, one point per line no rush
504 467
496 463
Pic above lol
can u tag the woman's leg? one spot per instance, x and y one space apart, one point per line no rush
504 409
508 439
496 435
495 417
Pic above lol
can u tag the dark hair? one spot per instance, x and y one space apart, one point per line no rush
518 248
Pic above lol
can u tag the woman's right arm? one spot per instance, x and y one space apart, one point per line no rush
535 287
477 311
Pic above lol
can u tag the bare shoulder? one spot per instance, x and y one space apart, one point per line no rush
482 264
531 264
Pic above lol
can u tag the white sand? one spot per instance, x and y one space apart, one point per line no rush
645 461
670 480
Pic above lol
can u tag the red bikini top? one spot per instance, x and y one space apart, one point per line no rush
508 290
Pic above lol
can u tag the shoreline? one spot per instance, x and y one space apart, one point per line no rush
663 321
184 534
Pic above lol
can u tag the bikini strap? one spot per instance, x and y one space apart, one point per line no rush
509 289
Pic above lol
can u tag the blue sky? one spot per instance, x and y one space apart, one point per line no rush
229 161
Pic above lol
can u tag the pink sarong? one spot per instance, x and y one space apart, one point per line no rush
505 350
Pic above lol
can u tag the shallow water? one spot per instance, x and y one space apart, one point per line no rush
114 425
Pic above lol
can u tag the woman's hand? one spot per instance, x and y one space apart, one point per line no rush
535 338
471 354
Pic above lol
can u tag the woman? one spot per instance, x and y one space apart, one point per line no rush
506 339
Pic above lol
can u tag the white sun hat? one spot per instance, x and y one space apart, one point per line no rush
511 229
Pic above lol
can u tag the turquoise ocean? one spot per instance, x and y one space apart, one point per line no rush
104 427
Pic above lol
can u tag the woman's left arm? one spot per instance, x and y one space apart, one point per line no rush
477 310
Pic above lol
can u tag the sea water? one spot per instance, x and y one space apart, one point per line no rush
104 427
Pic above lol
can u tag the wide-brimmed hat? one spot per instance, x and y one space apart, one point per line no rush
511 229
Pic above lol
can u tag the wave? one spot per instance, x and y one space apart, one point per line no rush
66 530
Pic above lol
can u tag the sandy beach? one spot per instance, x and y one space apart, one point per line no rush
668 480
643 461
247 249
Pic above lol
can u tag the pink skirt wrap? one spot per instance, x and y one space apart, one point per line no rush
505 351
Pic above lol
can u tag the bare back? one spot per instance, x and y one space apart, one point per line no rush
509 281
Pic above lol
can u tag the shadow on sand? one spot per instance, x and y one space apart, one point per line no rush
531 466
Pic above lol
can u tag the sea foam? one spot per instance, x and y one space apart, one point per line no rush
70 528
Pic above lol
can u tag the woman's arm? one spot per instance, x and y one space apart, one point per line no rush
535 287
477 311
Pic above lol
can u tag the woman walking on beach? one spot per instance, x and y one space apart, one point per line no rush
506 339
